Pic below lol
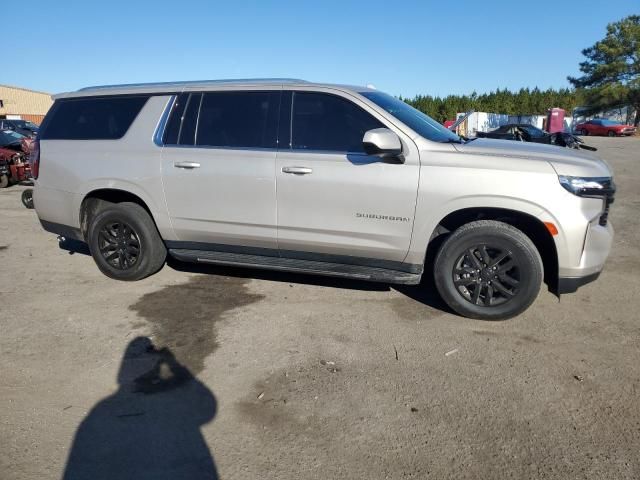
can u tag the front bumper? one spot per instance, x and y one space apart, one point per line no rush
597 245
571 284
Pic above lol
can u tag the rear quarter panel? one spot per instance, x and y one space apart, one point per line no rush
71 169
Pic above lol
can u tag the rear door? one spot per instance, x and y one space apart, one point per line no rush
333 198
218 167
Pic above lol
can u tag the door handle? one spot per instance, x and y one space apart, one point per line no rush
186 164
297 170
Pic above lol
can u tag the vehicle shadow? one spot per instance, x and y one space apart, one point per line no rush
424 293
149 428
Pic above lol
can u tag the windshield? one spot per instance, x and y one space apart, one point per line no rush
7 137
609 123
422 124
24 124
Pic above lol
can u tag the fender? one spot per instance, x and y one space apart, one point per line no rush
426 226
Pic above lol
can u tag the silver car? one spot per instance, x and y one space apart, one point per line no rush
322 179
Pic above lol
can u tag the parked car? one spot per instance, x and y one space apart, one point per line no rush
528 133
22 127
16 141
600 126
14 167
319 179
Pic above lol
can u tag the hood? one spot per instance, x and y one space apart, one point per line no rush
565 161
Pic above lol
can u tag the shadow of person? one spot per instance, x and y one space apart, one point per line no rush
149 428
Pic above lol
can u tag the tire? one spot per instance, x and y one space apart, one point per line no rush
27 198
611 133
505 288
4 181
124 242
585 132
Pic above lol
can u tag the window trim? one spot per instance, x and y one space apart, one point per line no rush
162 123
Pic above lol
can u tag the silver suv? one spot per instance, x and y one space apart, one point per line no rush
322 179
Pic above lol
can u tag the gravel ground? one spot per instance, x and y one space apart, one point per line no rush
206 372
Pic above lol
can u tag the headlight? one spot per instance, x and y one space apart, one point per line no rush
588 186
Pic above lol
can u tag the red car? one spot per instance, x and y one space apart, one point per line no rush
599 126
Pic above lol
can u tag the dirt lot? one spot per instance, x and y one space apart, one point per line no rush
284 376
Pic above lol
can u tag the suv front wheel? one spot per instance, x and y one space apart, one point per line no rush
488 270
124 242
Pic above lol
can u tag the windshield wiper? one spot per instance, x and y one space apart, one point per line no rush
452 140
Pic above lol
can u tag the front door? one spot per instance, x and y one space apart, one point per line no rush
333 199
218 168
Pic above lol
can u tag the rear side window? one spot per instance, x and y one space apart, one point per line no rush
172 130
239 119
92 118
181 127
327 122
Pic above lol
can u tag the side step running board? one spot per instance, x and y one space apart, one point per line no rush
372 274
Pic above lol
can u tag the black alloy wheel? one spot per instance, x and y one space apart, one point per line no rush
119 245
487 275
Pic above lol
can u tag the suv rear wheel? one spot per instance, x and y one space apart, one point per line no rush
488 270
124 242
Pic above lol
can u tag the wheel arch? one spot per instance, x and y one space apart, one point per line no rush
531 226
95 198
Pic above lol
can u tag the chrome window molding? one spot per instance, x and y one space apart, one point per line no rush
159 133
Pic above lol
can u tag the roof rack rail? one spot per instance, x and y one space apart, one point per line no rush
196 82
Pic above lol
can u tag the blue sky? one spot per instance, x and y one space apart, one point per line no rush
404 48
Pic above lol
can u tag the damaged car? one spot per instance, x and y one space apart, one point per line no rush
525 132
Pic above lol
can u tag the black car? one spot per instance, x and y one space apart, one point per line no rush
528 133
23 127
518 131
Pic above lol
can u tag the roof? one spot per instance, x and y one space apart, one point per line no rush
25 89
173 87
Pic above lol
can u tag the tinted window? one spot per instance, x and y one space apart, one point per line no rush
175 119
419 122
239 119
181 127
187 134
328 122
91 118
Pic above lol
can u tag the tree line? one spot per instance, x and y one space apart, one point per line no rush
522 102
